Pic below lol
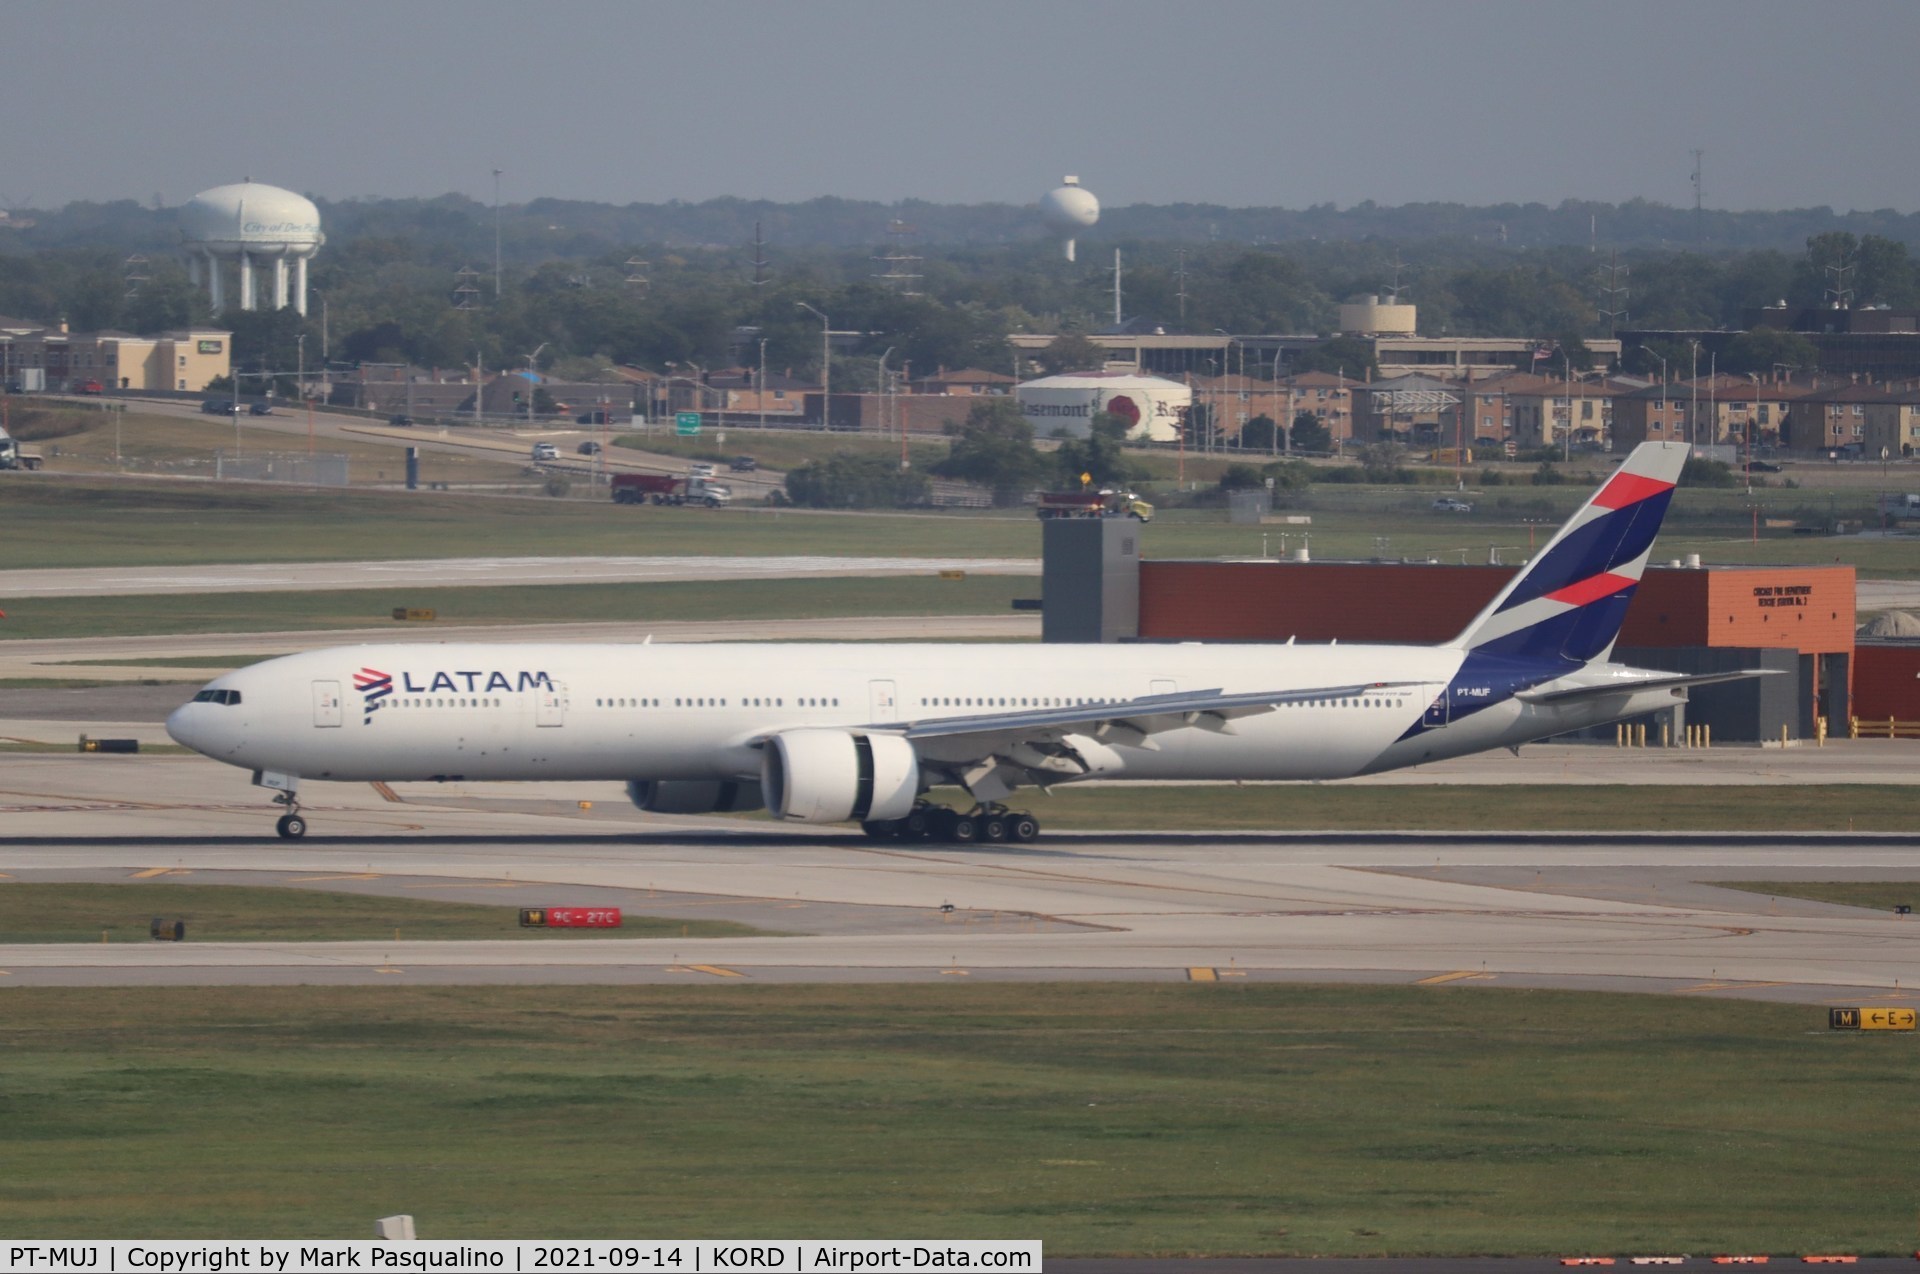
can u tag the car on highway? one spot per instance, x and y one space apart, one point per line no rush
90 387
218 407
1447 504
260 409
700 469
402 421
545 451
743 464
588 448
597 417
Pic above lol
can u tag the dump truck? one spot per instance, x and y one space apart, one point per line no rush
666 488
1108 502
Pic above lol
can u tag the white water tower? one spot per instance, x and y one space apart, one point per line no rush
1068 209
250 223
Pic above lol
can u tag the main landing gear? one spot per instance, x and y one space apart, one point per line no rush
291 825
990 822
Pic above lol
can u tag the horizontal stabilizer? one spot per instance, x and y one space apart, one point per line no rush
1629 685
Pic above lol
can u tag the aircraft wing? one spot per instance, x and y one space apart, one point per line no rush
1044 745
1628 685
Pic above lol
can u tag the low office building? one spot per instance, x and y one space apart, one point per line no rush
72 362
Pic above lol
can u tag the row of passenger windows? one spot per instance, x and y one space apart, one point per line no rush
939 701
935 701
446 703
749 702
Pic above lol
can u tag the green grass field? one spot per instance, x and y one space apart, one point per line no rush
64 521
1874 895
1136 1119
34 912
152 443
640 604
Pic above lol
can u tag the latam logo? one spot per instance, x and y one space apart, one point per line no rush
474 681
373 686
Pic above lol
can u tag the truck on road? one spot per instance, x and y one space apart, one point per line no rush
1108 502
13 457
665 488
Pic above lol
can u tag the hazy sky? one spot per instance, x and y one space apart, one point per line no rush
1234 102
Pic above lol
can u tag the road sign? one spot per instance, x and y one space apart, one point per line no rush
1865 1019
686 424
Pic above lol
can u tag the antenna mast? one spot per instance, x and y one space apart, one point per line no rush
1699 194
1613 294
898 260
759 257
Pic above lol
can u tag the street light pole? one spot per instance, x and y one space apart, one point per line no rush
496 234
763 382
530 375
826 364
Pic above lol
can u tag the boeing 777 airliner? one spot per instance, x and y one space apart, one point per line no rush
831 732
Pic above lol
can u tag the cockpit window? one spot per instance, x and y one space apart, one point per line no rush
226 697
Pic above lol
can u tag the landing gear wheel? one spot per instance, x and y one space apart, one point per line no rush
291 827
1023 829
918 824
965 830
994 827
884 829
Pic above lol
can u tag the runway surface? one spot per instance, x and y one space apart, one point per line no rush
459 572
1614 912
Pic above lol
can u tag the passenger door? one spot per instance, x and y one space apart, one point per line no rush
550 705
327 709
885 704
1438 712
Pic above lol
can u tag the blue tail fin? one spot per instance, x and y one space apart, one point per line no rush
1568 603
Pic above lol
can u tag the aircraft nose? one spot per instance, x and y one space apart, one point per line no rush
186 725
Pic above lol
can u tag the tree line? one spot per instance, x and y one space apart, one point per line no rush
385 287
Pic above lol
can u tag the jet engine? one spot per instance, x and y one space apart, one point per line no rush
831 776
694 796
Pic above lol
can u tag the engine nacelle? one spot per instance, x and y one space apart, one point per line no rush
831 776
695 796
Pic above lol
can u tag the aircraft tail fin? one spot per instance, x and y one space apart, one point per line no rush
1567 604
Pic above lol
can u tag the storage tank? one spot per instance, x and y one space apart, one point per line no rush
1153 407
1068 209
249 223
1370 316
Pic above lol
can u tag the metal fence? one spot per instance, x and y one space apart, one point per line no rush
328 470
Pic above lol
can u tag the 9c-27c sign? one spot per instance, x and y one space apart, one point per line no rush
570 917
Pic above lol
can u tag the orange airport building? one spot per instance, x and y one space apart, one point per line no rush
1796 620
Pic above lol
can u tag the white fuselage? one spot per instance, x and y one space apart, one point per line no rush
696 712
